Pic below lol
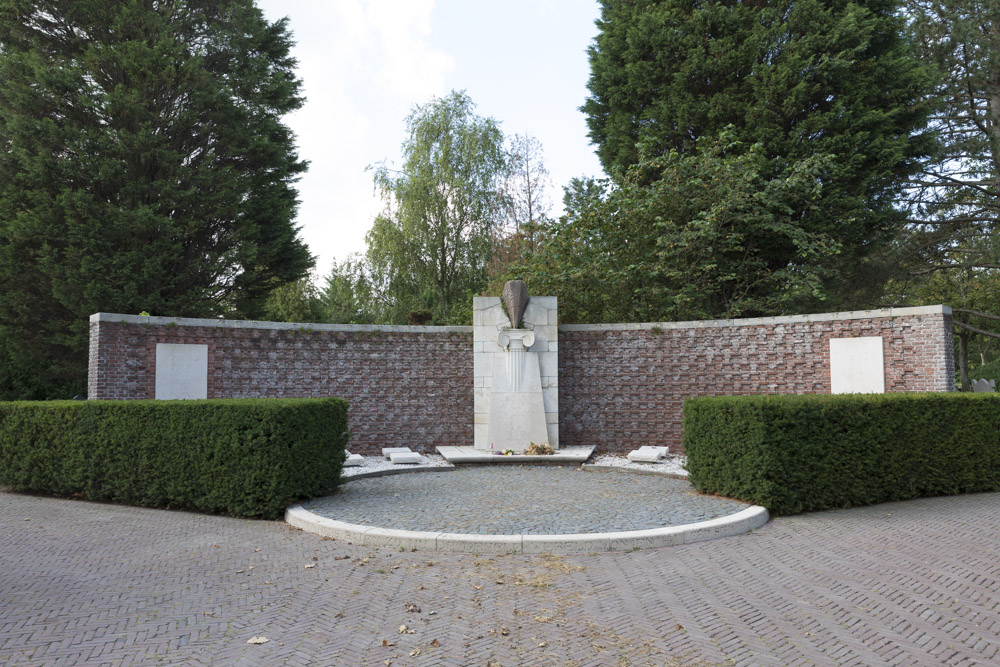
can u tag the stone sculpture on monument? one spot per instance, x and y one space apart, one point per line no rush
516 370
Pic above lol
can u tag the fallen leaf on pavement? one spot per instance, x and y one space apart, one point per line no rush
258 640
310 565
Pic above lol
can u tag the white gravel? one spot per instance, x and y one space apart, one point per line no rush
377 463
672 463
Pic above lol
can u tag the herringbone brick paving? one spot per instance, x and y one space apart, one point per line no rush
914 583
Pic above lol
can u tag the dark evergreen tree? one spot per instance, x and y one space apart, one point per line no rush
143 166
801 79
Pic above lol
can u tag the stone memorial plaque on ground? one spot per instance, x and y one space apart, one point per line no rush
389 451
405 457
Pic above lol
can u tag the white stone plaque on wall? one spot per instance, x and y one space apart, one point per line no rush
857 365
181 371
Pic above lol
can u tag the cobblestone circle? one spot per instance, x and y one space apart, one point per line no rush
911 583
509 500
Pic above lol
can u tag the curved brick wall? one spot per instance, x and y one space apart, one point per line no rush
407 386
633 395
620 386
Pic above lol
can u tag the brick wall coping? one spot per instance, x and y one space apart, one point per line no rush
281 326
629 326
758 321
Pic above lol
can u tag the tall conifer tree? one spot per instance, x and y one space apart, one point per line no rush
801 79
143 166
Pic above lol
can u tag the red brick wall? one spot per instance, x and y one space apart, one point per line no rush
410 387
620 386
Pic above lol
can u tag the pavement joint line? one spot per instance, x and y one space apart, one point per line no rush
594 467
738 523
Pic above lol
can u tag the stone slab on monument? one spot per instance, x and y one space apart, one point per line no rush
515 370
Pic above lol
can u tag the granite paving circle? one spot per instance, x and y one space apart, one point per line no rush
529 500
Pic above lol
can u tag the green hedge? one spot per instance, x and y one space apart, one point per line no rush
244 457
798 453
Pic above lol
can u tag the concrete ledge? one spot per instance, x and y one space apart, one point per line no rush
119 318
629 326
760 321
471 455
727 526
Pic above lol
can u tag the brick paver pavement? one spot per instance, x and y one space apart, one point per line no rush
915 583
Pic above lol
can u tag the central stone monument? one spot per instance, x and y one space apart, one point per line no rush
516 370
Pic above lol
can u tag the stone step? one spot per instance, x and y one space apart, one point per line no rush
473 455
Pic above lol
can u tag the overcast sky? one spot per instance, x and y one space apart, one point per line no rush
364 64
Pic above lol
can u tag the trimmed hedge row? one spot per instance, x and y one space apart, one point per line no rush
244 457
799 453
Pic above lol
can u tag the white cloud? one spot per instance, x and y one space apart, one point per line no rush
364 64
412 69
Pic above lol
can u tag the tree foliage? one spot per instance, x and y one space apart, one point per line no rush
955 199
143 166
798 79
687 236
444 209
296 301
951 253
349 295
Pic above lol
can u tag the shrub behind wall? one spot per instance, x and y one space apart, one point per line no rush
245 457
798 453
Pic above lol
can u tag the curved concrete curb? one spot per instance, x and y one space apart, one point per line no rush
734 524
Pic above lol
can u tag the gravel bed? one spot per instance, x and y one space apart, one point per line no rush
380 463
521 499
672 463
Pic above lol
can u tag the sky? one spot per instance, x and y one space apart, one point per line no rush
364 65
